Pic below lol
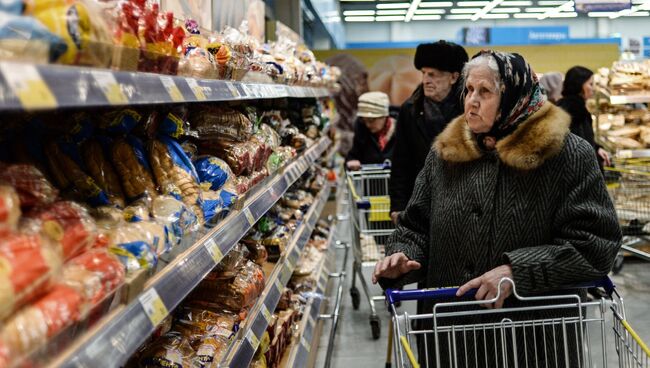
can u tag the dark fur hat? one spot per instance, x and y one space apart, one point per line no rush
441 55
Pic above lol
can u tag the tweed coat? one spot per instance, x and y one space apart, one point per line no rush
537 202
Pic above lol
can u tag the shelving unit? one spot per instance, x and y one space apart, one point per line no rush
38 87
120 334
619 100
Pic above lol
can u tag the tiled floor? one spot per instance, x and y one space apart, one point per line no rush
355 348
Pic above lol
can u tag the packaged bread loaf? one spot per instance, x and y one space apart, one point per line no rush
30 184
171 350
95 274
221 123
131 164
236 293
212 170
175 215
236 154
175 173
136 246
9 210
31 265
102 171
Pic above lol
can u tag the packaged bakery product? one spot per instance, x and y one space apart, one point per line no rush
66 223
212 204
236 293
102 172
198 63
211 349
26 39
175 216
231 263
221 123
170 350
32 264
130 161
30 184
138 210
276 243
9 210
257 251
212 170
94 274
136 246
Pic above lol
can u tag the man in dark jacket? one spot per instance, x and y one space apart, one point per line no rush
425 115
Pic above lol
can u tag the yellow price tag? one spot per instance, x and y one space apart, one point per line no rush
266 314
198 90
249 216
28 86
172 89
212 248
253 340
109 86
153 306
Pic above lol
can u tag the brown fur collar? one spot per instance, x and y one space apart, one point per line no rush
533 142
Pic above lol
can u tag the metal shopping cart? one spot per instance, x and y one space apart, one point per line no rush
371 227
628 183
565 332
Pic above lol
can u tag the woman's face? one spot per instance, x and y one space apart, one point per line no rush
482 100
375 125
588 88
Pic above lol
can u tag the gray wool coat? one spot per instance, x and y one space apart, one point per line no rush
537 202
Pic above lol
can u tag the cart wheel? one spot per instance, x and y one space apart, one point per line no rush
618 264
375 327
356 297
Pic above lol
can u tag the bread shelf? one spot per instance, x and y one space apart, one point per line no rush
41 87
245 343
119 337
624 99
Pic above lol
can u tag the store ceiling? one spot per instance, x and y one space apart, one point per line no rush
472 10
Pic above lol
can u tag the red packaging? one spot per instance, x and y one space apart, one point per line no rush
32 187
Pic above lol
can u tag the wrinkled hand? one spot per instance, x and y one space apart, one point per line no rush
394 216
605 156
353 165
488 285
394 266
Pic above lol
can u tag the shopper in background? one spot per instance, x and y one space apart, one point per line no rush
552 83
373 132
578 87
425 115
506 191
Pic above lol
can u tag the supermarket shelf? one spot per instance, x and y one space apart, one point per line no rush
624 99
305 342
36 87
241 351
127 330
626 153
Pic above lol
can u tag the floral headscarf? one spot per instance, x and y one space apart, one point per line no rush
521 96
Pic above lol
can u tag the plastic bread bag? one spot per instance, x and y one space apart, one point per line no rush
101 170
233 294
276 243
170 350
30 184
231 263
95 274
208 319
259 176
175 216
221 123
33 263
235 154
134 247
9 210
32 326
211 349
138 211
26 39
257 252
175 174
130 161
212 170
198 63
212 204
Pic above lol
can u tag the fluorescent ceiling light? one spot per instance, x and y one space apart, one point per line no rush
472 3
550 2
493 4
359 19
358 12
429 11
516 3
390 18
537 10
412 9
567 6
459 16
427 17
394 6
527 16
564 15
600 14
495 16
506 10
464 11
639 14
392 12
437 4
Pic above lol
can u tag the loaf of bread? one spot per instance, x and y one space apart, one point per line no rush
101 170
136 179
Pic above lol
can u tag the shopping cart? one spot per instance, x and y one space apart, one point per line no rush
628 183
565 331
372 225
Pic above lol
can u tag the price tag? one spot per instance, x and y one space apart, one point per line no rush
214 250
252 339
172 89
286 273
266 314
233 90
27 84
278 285
249 216
110 87
305 344
153 306
198 90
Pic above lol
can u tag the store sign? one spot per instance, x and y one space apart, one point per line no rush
586 6
646 47
515 35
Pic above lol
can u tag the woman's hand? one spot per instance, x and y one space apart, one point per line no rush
394 266
488 285
394 216
353 165
604 155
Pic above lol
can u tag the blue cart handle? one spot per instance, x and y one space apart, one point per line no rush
393 296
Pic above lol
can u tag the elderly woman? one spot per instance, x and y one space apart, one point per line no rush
506 191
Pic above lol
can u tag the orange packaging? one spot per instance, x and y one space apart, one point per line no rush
9 209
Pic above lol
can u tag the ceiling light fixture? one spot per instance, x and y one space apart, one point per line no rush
639 14
495 16
550 2
412 9
465 11
564 15
526 15
390 18
459 16
437 4
493 4
427 17
537 10
391 12
506 10
394 6
567 6
516 3
358 12
429 11
359 19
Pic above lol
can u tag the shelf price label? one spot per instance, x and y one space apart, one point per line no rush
266 314
233 90
278 285
249 216
153 306
109 86
172 89
214 250
28 86
198 90
252 339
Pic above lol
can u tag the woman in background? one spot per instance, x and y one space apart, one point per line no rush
552 83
